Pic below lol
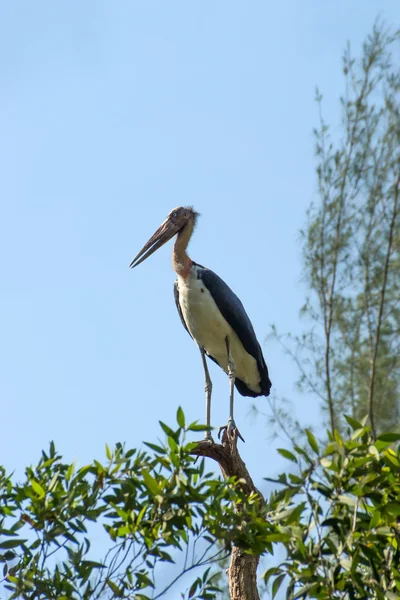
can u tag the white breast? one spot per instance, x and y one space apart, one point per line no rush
209 329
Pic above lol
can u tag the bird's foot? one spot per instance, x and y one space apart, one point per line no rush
230 430
208 437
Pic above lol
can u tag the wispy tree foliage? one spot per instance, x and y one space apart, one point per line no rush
350 356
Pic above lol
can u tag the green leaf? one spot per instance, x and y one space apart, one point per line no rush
287 454
353 422
290 514
156 448
272 571
278 537
37 488
304 454
180 417
12 543
82 472
70 471
375 520
194 587
295 479
386 531
117 591
359 433
196 427
302 592
93 564
331 448
337 437
53 481
172 444
277 584
389 437
108 452
151 483
141 515
168 430
312 441
391 457
373 451
392 508
348 500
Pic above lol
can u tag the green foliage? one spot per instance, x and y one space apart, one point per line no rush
335 515
152 506
350 355
338 519
351 246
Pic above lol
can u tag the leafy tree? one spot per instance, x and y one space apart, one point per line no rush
338 517
335 516
152 506
350 356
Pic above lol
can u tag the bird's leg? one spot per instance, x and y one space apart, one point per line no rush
208 390
231 374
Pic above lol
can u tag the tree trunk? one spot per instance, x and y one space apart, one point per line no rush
242 572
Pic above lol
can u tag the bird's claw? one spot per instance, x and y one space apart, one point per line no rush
208 437
230 429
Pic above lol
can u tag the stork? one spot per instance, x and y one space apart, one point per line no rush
212 315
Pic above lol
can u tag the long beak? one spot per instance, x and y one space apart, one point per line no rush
158 239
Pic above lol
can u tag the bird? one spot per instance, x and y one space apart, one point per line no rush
213 316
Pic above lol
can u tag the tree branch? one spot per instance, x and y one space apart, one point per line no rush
242 572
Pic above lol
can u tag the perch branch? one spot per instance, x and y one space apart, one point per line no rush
242 572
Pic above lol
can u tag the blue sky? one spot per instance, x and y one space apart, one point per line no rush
111 114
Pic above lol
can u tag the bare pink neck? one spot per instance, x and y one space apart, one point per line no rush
180 260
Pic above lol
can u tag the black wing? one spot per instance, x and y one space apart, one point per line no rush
178 306
234 313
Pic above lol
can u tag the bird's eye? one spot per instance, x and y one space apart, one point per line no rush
174 214
185 214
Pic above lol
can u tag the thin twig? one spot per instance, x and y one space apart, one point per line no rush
210 560
381 305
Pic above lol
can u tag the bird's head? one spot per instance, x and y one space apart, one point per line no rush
177 220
